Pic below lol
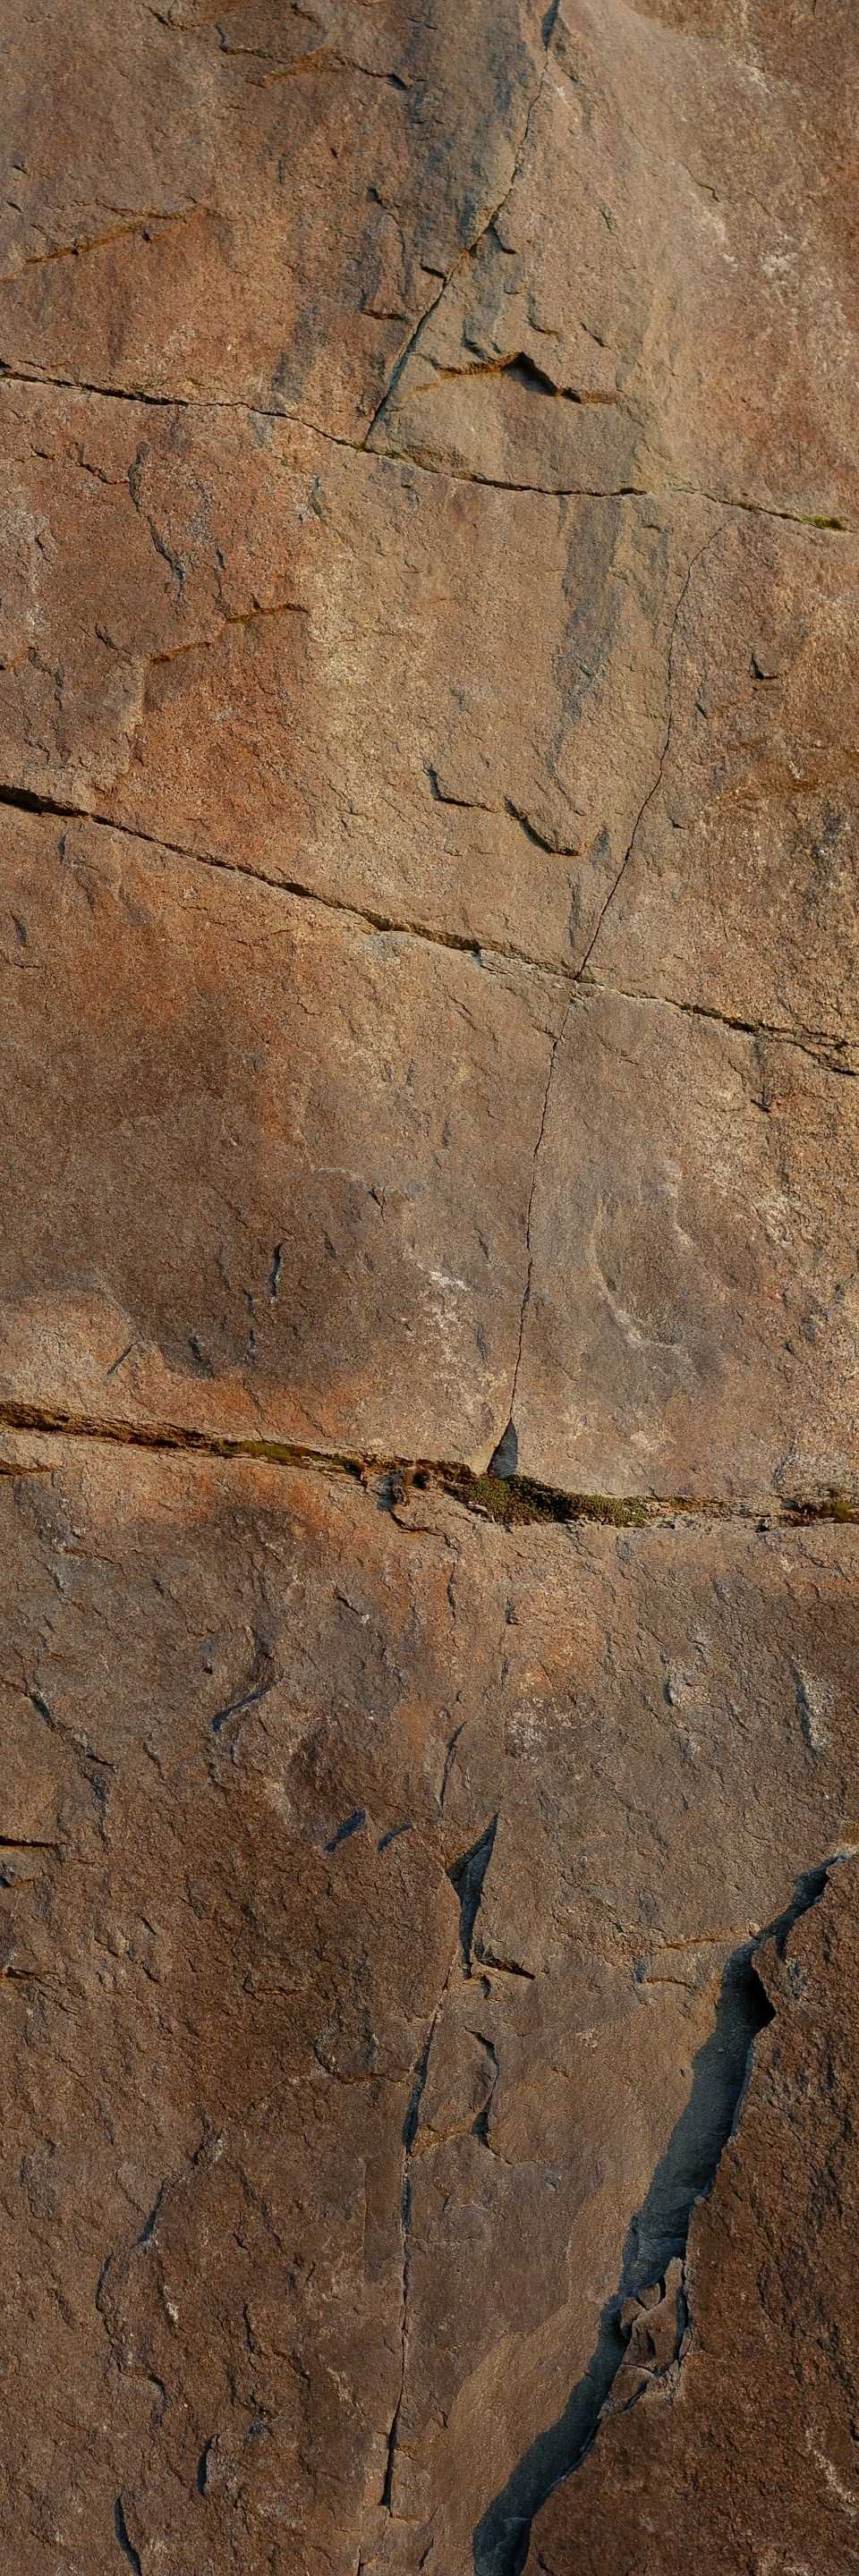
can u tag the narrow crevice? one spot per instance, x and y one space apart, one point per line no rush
122 2534
657 2237
524 370
823 1046
654 790
101 241
25 1843
11 374
512 1501
467 1877
24 801
410 2130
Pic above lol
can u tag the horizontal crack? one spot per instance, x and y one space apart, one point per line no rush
484 953
827 521
512 1501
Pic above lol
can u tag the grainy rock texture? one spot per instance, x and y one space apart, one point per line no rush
429 1305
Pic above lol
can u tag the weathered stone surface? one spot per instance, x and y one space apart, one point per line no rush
245 641
676 2476
740 893
292 1205
290 1202
257 201
676 256
429 1349
322 2145
692 1320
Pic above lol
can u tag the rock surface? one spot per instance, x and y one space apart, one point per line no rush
429 1320
394 1863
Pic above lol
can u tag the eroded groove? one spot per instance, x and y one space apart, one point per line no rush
657 2237
124 2541
511 1501
466 1877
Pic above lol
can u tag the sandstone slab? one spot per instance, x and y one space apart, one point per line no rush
291 1204
691 1321
675 2475
428 750
443 707
244 1204
255 202
391 1887
669 290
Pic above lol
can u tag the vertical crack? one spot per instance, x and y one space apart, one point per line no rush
410 2131
505 1457
467 1878
654 790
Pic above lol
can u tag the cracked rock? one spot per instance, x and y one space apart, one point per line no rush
429 1324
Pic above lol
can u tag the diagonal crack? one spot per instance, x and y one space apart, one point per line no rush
657 2238
469 248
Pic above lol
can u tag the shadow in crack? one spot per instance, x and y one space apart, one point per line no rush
657 2233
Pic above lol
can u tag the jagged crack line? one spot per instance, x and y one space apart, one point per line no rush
509 1500
658 2235
824 522
410 2131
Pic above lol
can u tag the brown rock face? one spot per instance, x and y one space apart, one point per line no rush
429 1322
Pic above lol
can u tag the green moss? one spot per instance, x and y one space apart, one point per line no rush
515 1501
623 1512
834 1506
506 1499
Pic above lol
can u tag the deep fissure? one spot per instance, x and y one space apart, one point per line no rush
657 2236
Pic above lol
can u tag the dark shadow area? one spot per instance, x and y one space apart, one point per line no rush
658 2232
466 1877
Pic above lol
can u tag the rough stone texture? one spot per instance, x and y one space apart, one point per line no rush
259 1724
752 2380
210 619
292 1205
290 1201
429 1347
249 200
